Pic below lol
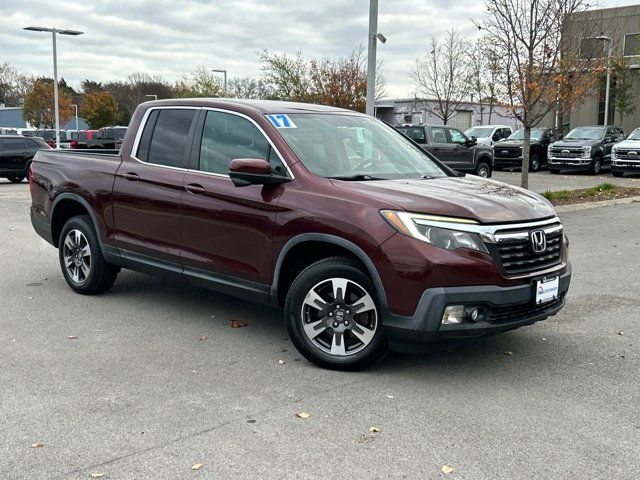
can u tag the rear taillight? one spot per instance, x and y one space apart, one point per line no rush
32 174
74 144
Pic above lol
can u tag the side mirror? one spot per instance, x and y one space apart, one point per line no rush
495 137
253 171
472 141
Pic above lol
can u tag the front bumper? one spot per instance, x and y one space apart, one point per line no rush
572 164
625 166
507 162
506 308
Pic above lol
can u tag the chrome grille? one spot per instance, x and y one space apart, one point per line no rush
514 251
557 152
507 153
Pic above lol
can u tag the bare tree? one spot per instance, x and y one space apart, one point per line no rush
443 76
539 68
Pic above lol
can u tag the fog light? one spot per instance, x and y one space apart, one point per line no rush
473 314
453 315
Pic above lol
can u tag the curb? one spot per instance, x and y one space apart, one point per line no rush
604 203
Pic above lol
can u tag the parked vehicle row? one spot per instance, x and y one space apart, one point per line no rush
16 153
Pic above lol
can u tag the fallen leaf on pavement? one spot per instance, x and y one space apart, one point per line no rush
237 324
303 415
37 445
390 397
204 338
72 337
621 333
374 429
507 353
281 362
197 466
446 469
97 475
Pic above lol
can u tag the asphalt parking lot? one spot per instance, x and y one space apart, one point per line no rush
148 380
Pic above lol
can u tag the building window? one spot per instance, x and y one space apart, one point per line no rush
631 44
591 48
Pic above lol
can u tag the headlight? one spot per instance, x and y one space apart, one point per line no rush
586 152
549 151
441 232
614 154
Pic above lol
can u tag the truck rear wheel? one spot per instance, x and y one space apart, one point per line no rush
15 179
332 315
83 266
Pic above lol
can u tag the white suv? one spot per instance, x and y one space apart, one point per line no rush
489 134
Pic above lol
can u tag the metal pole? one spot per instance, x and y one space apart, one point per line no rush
371 58
606 94
55 89
225 83
76 109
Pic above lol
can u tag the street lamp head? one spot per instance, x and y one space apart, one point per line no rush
603 37
54 30
381 37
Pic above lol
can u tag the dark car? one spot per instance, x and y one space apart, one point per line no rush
16 153
508 152
452 147
584 148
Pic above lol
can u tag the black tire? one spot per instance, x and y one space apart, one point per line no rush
596 165
83 266
15 179
323 324
554 171
483 170
616 174
534 163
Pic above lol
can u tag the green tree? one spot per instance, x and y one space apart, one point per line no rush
99 109
13 85
621 89
39 107
201 83
288 77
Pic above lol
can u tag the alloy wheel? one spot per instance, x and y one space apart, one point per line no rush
77 256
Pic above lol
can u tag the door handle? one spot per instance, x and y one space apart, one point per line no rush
134 177
194 188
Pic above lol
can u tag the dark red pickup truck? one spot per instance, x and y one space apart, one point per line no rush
365 240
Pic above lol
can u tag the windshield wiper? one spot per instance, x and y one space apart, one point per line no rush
357 178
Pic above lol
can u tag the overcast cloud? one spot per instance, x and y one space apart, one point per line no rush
172 38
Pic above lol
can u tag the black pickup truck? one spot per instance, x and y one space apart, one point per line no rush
108 138
508 152
584 148
452 147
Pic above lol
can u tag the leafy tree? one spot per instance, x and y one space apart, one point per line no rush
89 86
13 85
39 107
202 83
539 69
287 76
444 75
99 109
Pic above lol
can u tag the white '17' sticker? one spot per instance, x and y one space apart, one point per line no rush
281 120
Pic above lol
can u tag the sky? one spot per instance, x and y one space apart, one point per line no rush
171 39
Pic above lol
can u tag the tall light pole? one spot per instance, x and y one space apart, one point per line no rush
374 36
224 90
75 107
55 70
606 93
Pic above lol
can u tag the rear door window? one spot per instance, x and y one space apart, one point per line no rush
166 138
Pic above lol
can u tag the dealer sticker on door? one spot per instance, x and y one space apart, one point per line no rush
546 290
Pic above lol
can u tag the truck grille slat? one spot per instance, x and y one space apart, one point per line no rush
517 256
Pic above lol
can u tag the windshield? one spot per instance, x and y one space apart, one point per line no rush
536 134
353 147
635 135
586 133
479 132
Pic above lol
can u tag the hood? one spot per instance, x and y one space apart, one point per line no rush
486 201
575 143
635 144
514 143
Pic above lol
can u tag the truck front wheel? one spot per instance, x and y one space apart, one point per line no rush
83 266
596 165
332 315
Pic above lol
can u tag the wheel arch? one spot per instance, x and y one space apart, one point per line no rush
66 206
306 249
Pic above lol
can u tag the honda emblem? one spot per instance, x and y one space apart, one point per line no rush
538 241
